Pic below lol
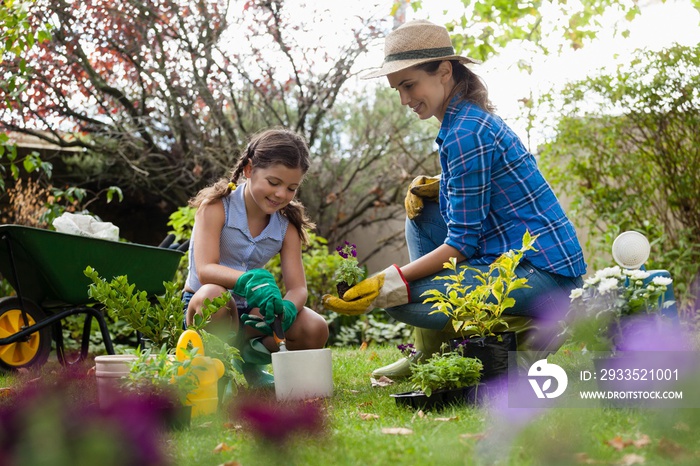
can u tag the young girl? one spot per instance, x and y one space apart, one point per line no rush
490 192
237 230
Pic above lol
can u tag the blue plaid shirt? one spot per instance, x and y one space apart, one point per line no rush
491 191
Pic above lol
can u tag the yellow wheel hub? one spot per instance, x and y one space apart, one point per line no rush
21 352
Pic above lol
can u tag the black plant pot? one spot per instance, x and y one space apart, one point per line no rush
169 414
492 351
177 417
440 399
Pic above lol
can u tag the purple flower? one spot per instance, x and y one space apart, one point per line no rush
347 250
276 422
65 407
407 349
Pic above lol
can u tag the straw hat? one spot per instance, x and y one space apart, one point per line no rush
413 43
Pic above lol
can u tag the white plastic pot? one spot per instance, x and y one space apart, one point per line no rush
109 369
303 374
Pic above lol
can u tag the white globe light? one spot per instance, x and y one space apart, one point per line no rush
631 250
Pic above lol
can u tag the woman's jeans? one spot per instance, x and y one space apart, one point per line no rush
546 300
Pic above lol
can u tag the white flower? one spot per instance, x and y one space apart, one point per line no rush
636 274
609 272
590 281
576 293
607 284
662 281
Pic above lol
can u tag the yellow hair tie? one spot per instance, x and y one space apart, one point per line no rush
232 186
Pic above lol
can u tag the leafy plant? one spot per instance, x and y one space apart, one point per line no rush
478 310
445 371
348 271
367 329
159 320
161 374
599 308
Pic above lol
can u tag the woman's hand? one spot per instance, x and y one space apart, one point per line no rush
385 289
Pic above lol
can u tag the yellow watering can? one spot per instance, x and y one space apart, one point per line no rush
204 399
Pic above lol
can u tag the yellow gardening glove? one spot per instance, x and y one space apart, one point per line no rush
388 288
422 187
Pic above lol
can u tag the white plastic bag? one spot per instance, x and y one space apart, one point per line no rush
85 225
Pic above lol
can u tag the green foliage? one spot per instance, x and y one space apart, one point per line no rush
623 152
445 371
17 37
478 310
182 222
487 26
161 374
160 321
367 328
216 346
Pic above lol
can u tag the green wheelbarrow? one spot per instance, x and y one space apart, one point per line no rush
45 268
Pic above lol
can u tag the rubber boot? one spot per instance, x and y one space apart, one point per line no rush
426 343
255 360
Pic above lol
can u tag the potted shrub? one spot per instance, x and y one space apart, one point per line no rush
160 321
445 378
348 272
476 312
166 382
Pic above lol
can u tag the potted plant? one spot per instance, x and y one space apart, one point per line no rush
166 381
348 272
445 378
602 312
476 312
160 321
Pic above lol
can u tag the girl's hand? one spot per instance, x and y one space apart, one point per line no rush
257 323
257 286
280 307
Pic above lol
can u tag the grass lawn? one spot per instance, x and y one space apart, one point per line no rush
359 415
359 420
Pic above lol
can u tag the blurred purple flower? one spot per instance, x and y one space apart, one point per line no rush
53 405
277 422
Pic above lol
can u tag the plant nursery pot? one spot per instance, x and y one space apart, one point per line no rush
492 351
303 374
109 370
440 399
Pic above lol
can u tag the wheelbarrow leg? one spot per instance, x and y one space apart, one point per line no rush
89 313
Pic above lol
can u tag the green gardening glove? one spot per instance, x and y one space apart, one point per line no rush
258 286
280 307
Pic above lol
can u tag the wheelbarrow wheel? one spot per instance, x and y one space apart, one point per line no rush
34 351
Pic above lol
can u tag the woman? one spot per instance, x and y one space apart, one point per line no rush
490 193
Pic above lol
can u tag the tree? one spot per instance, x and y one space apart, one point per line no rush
162 95
626 150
